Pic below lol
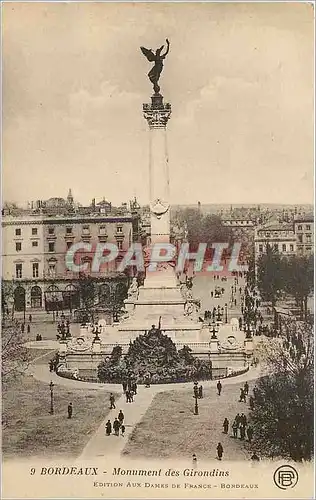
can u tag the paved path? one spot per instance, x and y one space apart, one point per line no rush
42 373
101 445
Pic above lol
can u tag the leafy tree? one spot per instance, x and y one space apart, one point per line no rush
283 417
270 275
299 275
15 356
87 291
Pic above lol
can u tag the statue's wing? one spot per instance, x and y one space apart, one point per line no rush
148 53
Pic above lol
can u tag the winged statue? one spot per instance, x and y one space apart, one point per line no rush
157 58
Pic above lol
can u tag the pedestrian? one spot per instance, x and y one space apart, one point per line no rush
131 396
129 384
219 387
200 392
249 433
123 430
124 385
242 395
127 395
134 387
219 451
255 393
235 428
225 426
28 329
51 365
242 432
30 318
120 417
194 460
246 388
251 403
108 428
116 427
212 293
243 420
70 410
112 401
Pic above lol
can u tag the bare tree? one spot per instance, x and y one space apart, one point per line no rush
15 356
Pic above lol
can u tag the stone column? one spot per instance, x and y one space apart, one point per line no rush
157 115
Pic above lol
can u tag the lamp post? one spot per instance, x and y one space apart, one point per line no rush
51 386
196 395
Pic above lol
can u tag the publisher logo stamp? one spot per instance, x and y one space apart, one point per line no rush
285 477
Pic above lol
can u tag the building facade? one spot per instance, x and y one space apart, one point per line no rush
35 244
281 237
304 232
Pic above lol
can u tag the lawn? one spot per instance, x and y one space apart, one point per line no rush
171 430
30 430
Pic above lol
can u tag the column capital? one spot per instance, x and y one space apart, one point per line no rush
157 113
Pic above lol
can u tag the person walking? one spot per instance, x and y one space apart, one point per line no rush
134 387
249 433
251 403
112 401
246 388
116 427
124 385
219 387
235 429
194 460
242 432
28 329
30 318
123 430
127 395
225 426
220 451
120 417
70 410
242 398
243 420
108 428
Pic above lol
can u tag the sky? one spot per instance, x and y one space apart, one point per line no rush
239 77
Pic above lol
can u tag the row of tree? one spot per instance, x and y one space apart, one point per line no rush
278 275
283 414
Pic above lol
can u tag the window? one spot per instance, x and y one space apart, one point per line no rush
284 247
308 249
18 270
308 238
34 231
308 227
268 235
51 230
68 243
18 232
102 230
260 248
18 246
119 229
119 245
300 238
34 243
299 228
85 230
276 246
35 270
292 248
51 247
52 269
68 230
